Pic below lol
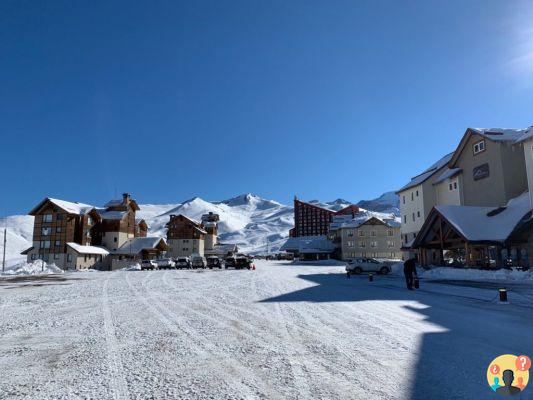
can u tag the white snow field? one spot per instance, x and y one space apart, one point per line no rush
284 331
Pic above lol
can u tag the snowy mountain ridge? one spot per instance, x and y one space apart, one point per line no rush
252 222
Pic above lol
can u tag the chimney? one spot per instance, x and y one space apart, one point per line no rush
172 216
125 198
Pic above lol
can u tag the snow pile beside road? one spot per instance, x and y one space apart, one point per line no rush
460 274
133 267
35 268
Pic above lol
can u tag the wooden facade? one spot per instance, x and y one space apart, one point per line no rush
182 227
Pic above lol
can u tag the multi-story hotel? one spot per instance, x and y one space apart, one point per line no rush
312 220
76 235
185 236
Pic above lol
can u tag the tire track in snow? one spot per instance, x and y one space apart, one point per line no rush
205 347
119 387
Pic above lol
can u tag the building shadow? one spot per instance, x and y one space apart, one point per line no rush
451 363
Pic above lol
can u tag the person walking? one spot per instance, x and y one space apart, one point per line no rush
409 270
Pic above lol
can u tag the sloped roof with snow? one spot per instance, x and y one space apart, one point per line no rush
448 173
476 224
78 248
428 173
138 244
308 244
68 206
112 215
528 134
500 134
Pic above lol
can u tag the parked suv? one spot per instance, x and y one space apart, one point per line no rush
198 262
363 264
166 263
183 262
230 262
148 264
243 262
214 262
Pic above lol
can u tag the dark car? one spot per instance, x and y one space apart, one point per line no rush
214 262
230 262
183 262
243 262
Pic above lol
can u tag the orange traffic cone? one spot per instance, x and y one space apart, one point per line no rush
253 267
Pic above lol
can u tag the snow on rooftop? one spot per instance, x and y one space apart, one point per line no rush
501 134
88 249
528 134
428 173
308 244
475 224
72 207
136 245
112 215
448 173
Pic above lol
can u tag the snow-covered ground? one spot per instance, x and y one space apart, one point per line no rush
284 331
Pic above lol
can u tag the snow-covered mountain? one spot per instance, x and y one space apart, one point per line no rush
250 221
388 203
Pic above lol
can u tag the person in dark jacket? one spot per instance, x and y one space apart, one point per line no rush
409 270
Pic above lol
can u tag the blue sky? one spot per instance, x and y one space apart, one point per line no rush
169 100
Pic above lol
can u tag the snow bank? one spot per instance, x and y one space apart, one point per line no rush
133 267
467 274
35 268
459 274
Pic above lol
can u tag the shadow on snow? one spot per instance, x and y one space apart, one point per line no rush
451 364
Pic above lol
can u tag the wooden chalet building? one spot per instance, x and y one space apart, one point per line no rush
78 236
185 236
58 222
485 237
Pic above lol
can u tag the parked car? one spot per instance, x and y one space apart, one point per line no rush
166 263
148 264
183 262
198 262
214 262
243 262
363 264
230 262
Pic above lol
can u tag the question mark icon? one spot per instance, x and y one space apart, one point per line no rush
495 369
523 363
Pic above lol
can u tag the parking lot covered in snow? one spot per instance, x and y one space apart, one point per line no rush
284 331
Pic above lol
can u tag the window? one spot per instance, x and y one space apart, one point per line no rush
417 193
57 243
46 231
89 221
362 244
373 244
479 147
412 196
405 219
350 243
361 233
58 229
56 256
413 217
390 243
455 185
47 217
373 233
33 256
403 199
390 232
451 186
45 244
392 255
69 257
350 233
115 239
418 214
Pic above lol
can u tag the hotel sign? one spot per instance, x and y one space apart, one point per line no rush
481 172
